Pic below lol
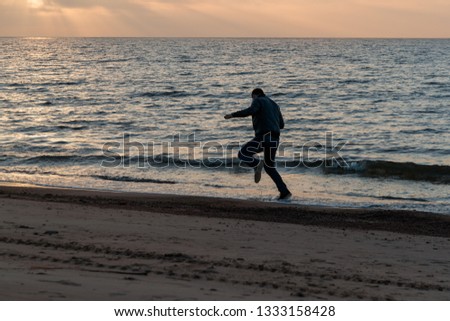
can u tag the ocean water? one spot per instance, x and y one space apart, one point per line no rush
367 120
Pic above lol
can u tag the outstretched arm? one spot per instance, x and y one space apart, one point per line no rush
253 109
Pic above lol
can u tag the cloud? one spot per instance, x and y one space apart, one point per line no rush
289 18
89 3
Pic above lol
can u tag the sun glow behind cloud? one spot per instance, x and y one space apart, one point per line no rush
35 3
266 18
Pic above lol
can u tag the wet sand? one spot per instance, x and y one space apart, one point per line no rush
63 244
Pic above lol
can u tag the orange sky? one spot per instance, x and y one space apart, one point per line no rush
226 18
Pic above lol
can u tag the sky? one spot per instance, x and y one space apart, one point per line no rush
226 18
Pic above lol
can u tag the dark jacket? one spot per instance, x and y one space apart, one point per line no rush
266 116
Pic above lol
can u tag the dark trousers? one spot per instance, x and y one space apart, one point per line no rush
269 145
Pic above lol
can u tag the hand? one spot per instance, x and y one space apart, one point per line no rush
228 116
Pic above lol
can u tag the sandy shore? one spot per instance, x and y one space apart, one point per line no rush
61 244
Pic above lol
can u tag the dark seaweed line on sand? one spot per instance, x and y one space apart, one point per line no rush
408 222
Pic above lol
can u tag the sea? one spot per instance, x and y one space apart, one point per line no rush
367 120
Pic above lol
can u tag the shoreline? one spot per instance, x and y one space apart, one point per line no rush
398 221
64 244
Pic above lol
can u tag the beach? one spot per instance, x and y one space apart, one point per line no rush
68 244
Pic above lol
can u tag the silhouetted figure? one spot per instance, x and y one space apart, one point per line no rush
267 123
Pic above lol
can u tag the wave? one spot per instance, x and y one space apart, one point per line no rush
398 170
61 83
413 199
173 93
16 84
47 84
39 171
44 129
421 131
354 81
133 179
59 159
114 60
437 83
365 168
32 171
85 122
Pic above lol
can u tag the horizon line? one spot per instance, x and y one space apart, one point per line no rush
234 37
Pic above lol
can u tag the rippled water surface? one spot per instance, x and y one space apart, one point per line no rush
385 101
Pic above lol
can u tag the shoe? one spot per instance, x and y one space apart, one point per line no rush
285 196
258 171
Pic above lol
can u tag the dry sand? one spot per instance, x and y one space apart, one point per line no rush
58 244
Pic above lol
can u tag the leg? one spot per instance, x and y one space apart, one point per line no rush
270 149
248 151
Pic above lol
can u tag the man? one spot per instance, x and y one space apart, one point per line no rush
267 123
